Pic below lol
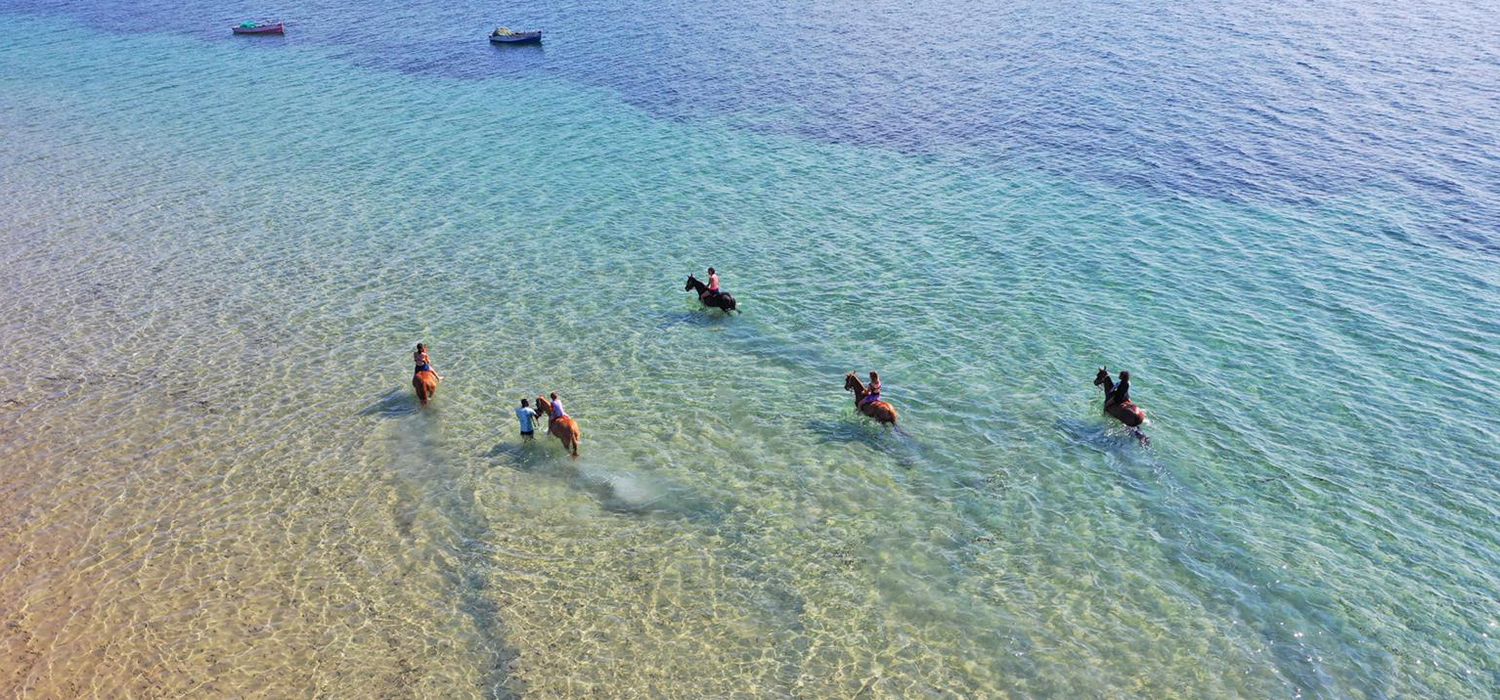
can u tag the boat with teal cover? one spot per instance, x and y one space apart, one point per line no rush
260 27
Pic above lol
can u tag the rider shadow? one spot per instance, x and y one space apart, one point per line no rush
394 403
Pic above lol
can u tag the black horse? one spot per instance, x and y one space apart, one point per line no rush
722 300
1124 411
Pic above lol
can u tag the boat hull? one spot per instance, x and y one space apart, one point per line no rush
517 38
277 28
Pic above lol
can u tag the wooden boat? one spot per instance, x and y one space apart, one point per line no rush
264 27
504 35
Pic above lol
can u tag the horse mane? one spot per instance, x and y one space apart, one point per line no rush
859 386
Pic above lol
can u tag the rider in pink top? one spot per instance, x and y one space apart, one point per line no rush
713 281
873 390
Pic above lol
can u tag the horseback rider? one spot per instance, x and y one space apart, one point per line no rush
872 392
557 407
1121 394
423 361
713 285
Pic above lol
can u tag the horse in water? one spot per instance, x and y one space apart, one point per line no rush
722 300
563 428
1125 411
881 411
425 382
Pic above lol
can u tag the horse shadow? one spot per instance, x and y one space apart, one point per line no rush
530 456
852 430
1097 435
698 316
840 432
394 403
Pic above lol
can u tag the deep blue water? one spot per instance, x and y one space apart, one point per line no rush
1300 103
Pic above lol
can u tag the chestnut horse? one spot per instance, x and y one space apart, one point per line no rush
1126 412
881 411
564 428
425 382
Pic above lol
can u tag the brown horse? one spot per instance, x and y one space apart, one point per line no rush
563 428
425 382
1124 411
881 411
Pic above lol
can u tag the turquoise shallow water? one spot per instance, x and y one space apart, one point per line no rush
217 481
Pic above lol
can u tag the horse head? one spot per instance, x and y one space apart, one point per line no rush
692 284
1102 377
544 407
851 383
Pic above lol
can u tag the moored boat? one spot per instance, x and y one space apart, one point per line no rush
504 35
262 27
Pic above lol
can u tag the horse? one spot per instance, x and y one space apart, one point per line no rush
881 411
722 300
1126 411
425 382
564 428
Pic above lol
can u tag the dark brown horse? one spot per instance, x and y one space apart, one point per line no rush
722 300
563 428
881 411
1124 411
425 382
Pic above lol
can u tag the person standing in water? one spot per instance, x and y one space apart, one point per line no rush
423 361
527 417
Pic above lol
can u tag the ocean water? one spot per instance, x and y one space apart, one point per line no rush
1283 220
